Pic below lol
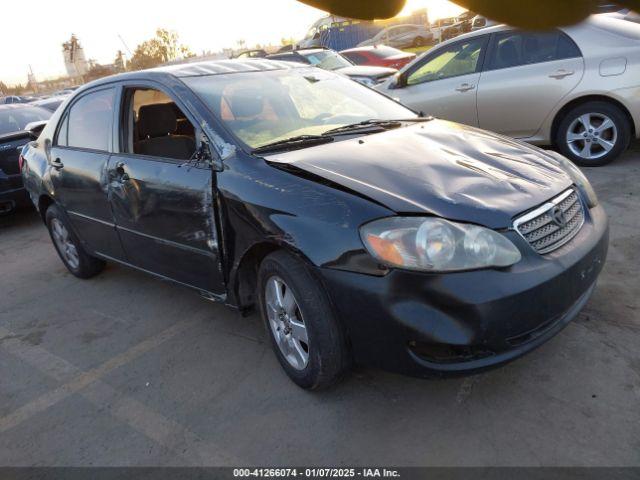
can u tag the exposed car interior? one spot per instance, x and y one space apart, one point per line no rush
157 127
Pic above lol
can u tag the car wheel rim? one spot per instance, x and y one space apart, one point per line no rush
63 241
286 322
592 136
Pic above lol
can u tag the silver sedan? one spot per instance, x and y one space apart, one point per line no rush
577 88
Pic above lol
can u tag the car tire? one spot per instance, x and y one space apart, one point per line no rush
593 134
418 42
69 247
301 322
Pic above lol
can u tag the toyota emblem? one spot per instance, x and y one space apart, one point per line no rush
557 216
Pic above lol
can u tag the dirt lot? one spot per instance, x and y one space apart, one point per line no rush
127 370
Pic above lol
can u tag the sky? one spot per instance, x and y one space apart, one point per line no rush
202 26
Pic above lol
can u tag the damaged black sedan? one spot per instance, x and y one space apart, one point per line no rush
361 231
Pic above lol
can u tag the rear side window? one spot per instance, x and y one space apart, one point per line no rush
356 58
513 49
90 120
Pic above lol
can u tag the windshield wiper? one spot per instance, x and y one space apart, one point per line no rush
377 125
299 141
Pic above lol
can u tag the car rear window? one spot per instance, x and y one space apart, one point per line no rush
357 58
513 49
15 119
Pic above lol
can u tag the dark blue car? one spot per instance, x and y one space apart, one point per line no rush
13 136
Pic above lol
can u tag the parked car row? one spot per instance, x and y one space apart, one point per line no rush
12 99
333 61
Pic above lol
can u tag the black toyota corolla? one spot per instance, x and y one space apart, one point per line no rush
361 231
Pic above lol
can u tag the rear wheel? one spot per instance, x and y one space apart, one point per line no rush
69 248
593 134
418 42
306 337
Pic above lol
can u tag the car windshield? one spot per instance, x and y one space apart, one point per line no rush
265 107
327 60
15 119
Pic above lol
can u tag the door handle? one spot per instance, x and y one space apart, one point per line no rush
465 87
123 176
559 74
57 163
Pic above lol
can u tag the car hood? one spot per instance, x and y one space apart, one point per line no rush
438 168
364 71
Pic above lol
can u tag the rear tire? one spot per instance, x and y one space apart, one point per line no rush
69 247
593 134
307 339
418 42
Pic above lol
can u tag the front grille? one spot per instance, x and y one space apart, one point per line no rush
545 229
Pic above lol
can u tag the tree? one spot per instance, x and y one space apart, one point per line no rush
163 48
98 71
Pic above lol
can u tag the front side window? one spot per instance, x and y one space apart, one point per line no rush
513 49
260 108
153 125
90 120
458 59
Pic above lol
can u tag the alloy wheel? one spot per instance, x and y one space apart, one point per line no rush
286 322
63 241
592 136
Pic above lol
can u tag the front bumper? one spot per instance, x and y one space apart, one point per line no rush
429 325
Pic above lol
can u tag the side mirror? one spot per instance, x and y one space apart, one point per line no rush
35 128
399 81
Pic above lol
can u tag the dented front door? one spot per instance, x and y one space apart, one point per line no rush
164 213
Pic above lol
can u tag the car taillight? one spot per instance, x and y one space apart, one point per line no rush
20 162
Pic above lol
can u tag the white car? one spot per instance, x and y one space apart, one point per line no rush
577 88
401 36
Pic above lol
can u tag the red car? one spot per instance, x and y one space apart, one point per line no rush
379 55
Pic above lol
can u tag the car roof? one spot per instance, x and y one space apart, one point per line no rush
196 69
602 22
220 67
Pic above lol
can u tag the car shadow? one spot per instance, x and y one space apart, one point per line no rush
19 219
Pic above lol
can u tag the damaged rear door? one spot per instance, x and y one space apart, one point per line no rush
162 202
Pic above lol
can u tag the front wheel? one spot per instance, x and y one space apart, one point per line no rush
418 42
308 340
593 134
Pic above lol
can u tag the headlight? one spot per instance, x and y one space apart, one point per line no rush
578 178
365 81
435 244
